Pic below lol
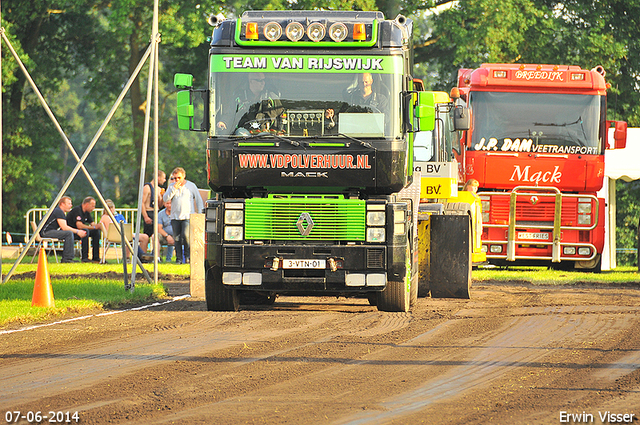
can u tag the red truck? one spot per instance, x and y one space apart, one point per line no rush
536 146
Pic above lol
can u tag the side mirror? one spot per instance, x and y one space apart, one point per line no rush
461 118
183 81
620 135
426 111
184 110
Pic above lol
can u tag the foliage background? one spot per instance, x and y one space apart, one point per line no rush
82 52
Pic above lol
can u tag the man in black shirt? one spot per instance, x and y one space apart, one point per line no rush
81 218
58 228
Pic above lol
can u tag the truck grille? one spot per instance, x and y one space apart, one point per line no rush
276 218
375 258
232 257
543 212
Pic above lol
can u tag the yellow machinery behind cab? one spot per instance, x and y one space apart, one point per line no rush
450 220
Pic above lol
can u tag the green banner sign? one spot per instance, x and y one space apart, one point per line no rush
306 63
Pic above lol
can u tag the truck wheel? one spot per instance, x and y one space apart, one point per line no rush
414 290
397 295
219 298
451 256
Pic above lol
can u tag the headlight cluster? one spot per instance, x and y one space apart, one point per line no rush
314 31
233 221
486 207
376 221
571 250
584 211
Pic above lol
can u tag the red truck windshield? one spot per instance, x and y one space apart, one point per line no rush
537 122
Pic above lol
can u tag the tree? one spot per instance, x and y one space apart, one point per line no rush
50 43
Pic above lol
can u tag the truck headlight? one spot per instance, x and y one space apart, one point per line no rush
584 208
584 219
233 216
375 234
375 218
233 233
584 250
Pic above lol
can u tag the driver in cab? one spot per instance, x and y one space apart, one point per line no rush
361 95
258 108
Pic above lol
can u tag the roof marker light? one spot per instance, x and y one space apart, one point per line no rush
251 31
272 31
500 74
316 31
294 31
359 32
338 31
577 77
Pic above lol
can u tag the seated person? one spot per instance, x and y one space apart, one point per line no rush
165 230
57 227
257 109
366 94
143 239
361 97
81 218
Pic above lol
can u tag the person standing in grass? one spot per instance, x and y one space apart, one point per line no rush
185 200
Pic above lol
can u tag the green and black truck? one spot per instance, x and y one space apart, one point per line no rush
310 119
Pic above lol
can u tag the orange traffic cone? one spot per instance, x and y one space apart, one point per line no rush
42 290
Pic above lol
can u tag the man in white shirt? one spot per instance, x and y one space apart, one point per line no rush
185 200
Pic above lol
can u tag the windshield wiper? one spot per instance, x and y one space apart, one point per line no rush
362 142
267 134
558 125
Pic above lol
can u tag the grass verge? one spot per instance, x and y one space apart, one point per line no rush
621 276
79 289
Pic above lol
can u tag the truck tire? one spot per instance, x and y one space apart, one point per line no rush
414 290
397 295
415 264
219 297
451 256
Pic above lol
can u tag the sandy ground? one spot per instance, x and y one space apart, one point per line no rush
513 353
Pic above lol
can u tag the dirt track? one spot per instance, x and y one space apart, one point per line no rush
511 354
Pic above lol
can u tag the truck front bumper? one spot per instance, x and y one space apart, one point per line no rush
341 268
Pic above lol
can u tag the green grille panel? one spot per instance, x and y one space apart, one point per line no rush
333 218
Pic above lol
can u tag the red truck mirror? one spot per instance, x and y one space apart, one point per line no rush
619 134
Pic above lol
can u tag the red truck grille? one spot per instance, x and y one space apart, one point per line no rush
541 212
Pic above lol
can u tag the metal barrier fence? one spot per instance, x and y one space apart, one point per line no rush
36 214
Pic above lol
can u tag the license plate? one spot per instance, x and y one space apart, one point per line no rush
533 236
304 264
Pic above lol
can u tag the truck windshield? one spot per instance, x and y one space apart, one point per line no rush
306 104
533 122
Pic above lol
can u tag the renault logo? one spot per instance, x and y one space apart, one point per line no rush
534 200
304 217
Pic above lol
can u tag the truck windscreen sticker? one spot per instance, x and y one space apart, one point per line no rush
304 161
528 145
279 63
